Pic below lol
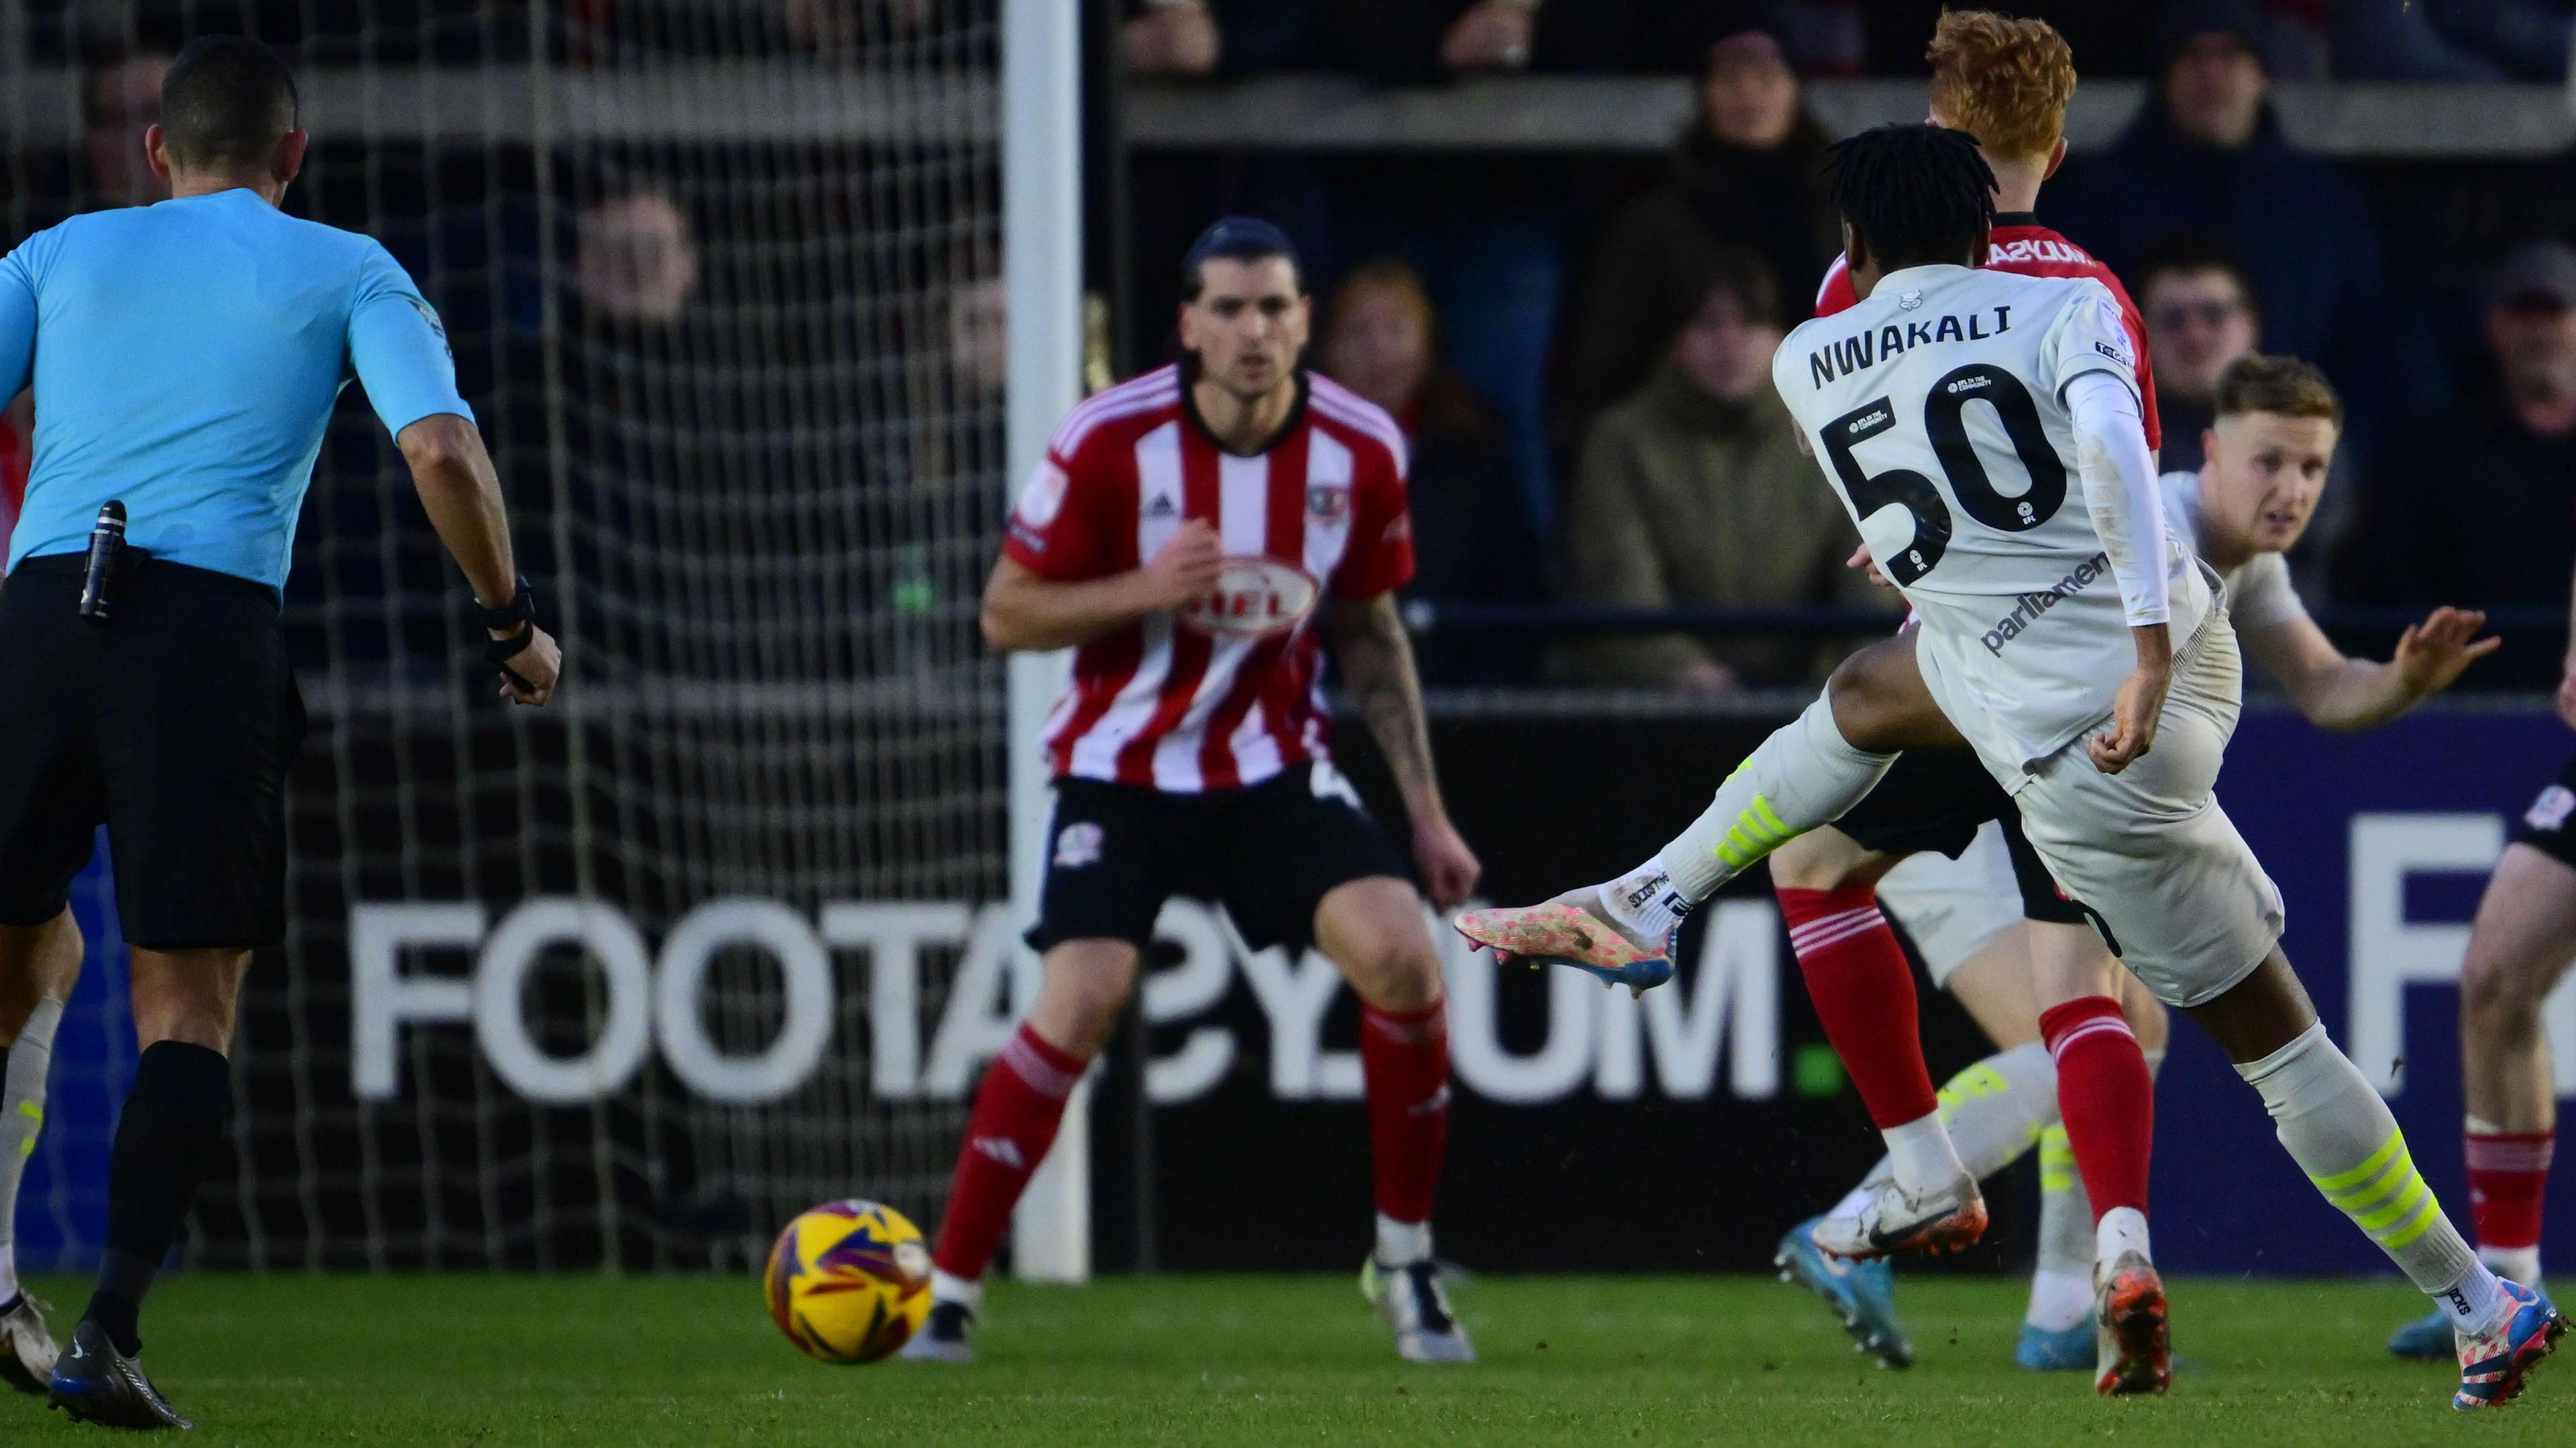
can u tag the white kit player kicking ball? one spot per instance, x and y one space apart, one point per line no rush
2268 450
2083 656
1182 535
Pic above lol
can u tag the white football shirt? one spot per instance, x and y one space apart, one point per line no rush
1937 410
2259 591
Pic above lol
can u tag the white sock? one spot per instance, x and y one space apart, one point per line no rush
2343 1136
1645 901
2121 1231
1402 1243
23 1069
2066 1236
1996 1108
1922 1156
2059 1300
1806 774
2477 1304
964 1291
2519 1264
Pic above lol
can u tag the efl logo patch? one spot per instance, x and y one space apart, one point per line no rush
1328 503
1043 498
2550 811
1077 845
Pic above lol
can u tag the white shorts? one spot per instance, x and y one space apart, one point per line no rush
1954 908
2187 906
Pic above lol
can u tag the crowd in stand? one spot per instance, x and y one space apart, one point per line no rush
1585 360
1578 346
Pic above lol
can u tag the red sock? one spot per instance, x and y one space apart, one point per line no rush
1864 994
2508 1172
1404 1057
2105 1097
1016 1111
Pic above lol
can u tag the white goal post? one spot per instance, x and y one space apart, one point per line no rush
1042 261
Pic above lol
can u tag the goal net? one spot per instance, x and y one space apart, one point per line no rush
638 977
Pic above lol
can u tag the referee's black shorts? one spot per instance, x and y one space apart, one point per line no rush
173 726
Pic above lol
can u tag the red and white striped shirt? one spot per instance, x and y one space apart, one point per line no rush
1226 692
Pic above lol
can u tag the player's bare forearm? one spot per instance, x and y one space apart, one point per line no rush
1377 669
2345 694
462 495
1023 612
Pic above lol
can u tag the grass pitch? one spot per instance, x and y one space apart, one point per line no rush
1267 1361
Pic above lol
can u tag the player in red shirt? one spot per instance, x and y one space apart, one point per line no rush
2073 1031
1182 536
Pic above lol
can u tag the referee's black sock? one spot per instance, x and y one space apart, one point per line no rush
182 1093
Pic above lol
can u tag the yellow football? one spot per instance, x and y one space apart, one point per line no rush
849 1282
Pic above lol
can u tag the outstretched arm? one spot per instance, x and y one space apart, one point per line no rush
2345 694
1377 668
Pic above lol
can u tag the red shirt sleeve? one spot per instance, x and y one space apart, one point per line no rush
1836 294
1380 556
1062 527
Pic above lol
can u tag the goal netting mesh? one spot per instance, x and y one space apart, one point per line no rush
722 281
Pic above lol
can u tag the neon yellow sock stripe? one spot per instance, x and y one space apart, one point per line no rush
35 1114
2405 1204
1976 1080
1757 832
1771 817
2390 1182
2385 1196
2056 1159
2331 1184
2414 1226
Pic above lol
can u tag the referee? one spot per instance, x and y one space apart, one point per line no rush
185 359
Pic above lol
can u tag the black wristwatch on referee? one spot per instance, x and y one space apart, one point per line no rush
519 617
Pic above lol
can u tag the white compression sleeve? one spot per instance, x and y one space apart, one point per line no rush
2120 492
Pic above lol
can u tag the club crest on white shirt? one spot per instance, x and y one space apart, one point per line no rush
1254 597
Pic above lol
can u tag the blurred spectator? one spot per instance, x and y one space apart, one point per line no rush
2201 315
1418 40
638 261
1748 172
2457 40
120 100
1695 492
2207 158
1172 37
1472 540
2476 504
979 335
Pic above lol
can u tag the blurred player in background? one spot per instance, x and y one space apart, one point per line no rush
2090 665
2269 451
2519 950
1182 535
1941 840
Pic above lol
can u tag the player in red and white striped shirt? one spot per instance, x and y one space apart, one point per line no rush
1188 535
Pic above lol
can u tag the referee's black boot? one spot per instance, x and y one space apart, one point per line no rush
97 1384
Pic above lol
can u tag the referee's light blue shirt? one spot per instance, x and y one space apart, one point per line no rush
186 357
